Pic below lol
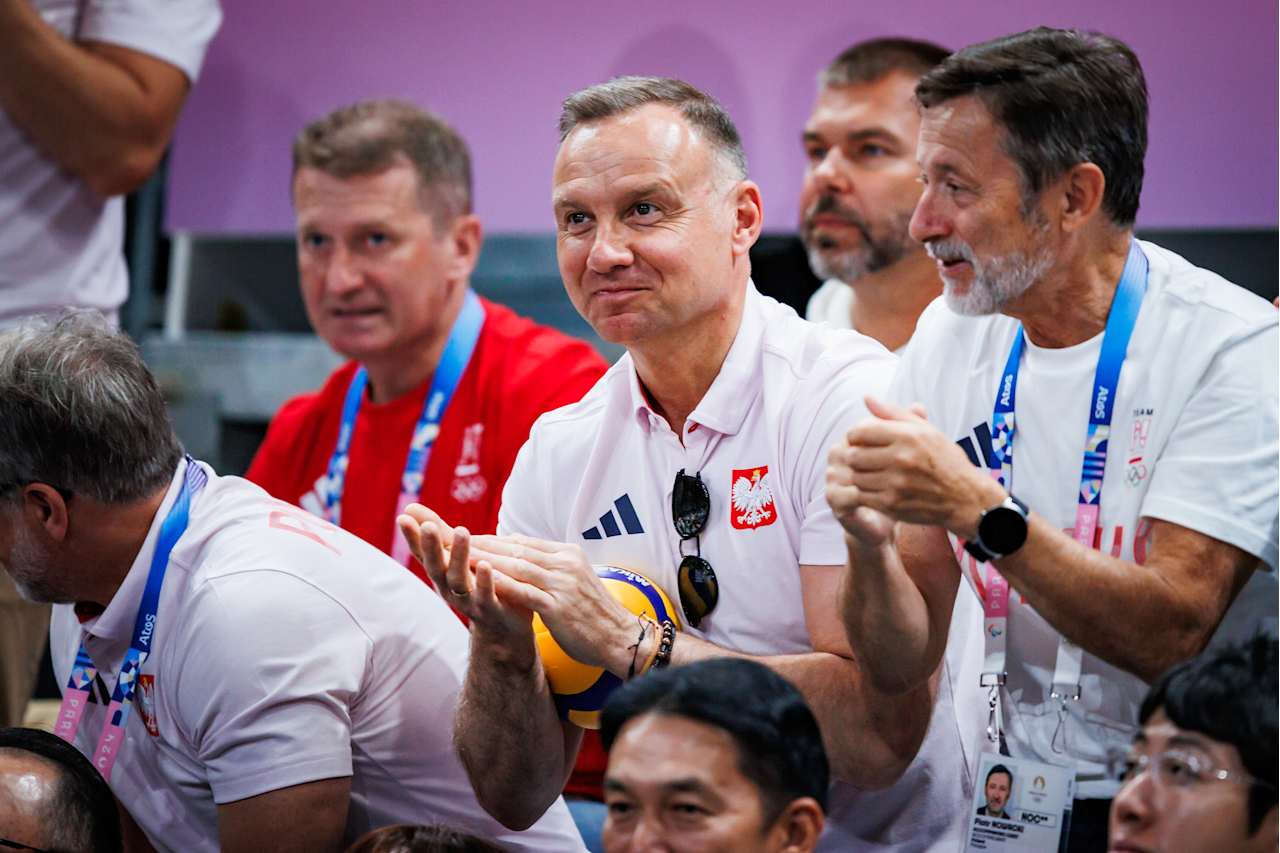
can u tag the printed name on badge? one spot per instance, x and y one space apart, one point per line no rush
1019 805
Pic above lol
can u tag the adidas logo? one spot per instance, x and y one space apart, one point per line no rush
609 522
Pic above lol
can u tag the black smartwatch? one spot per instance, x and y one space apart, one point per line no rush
1001 530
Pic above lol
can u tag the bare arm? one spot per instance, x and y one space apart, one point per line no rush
871 736
516 750
1141 618
301 818
102 112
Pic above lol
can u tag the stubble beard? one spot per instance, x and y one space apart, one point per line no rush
874 252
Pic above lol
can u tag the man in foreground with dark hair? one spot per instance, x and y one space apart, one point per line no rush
1144 492
861 183
245 676
722 754
1201 773
51 798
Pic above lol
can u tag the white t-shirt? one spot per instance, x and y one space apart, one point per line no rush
599 474
61 245
285 651
832 303
1193 442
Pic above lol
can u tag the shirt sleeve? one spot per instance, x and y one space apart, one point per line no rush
176 31
264 691
1218 473
839 396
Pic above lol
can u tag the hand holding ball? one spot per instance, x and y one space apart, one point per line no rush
580 691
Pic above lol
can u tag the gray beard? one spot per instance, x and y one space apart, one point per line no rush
998 281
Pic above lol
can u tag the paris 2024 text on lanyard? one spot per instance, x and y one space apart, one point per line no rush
84 672
1043 791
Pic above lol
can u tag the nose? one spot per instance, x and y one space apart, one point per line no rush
609 250
927 220
341 275
1133 806
831 173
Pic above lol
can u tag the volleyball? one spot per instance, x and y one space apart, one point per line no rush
580 691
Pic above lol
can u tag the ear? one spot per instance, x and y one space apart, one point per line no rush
43 507
799 826
1082 189
464 239
748 216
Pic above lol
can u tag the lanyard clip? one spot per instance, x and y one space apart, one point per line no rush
1062 694
994 681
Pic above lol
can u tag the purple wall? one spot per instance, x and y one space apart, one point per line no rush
498 70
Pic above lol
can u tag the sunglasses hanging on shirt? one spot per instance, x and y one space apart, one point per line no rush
690 506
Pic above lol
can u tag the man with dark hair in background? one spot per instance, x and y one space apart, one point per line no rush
1201 773
698 461
861 183
51 797
245 676
1144 491
721 754
997 788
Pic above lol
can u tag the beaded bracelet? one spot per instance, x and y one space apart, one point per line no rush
665 645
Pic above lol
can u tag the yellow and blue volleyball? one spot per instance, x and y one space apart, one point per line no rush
580 691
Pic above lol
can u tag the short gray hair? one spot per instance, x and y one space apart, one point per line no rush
624 94
79 410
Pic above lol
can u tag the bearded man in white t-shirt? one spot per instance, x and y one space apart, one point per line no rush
698 461
860 186
246 676
1127 540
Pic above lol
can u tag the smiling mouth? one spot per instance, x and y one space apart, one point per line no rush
343 313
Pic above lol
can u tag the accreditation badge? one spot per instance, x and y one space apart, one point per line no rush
146 702
1020 805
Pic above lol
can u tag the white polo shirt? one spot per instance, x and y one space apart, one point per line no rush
1193 442
62 245
599 474
286 651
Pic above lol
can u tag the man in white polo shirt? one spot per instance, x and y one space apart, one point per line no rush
723 406
1109 527
247 677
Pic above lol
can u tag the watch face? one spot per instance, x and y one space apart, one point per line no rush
1002 530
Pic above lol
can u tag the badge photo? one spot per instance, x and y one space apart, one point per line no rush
1019 805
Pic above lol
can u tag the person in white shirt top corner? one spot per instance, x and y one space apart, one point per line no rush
1108 528
245 676
698 461
861 183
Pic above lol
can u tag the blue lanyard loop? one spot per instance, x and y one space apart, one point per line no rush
1121 320
83 671
453 363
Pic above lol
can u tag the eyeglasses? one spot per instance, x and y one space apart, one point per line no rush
1173 768
690 506
18 845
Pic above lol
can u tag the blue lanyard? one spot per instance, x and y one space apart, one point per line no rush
83 671
1115 344
453 363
